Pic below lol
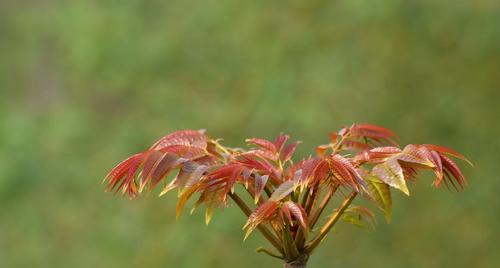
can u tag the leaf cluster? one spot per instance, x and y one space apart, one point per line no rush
289 197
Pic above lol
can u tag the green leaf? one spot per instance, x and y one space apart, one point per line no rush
359 216
391 173
380 193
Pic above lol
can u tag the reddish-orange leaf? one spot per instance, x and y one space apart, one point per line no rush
448 151
376 155
438 167
149 165
263 144
321 149
280 141
334 136
283 190
346 171
377 133
355 145
124 173
416 156
191 138
163 167
185 151
263 213
288 151
253 161
260 184
189 175
452 170
298 212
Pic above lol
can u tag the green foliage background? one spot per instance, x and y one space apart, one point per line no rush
86 83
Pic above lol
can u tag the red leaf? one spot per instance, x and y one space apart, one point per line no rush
256 162
448 151
263 213
184 151
298 212
452 170
288 151
416 156
321 149
190 138
438 167
283 190
355 145
346 171
264 154
149 165
377 133
163 168
280 141
374 129
335 136
189 175
260 184
376 155
223 178
309 167
124 172
263 144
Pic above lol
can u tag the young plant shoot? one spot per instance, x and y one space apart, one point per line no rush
289 198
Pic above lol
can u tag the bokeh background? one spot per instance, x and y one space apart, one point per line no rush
85 83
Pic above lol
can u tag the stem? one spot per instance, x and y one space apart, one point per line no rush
268 252
337 145
322 206
265 232
305 197
289 244
260 202
268 191
295 264
310 200
328 225
307 202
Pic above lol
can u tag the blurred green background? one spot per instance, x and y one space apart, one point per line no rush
85 83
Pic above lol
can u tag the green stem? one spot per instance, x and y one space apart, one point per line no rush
329 224
308 202
289 243
268 252
322 206
265 232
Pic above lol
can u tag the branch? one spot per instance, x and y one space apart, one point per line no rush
268 252
260 202
290 247
308 202
328 225
322 206
265 232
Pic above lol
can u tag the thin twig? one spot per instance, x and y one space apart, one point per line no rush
260 202
265 232
268 252
322 206
289 244
308 202
329 224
